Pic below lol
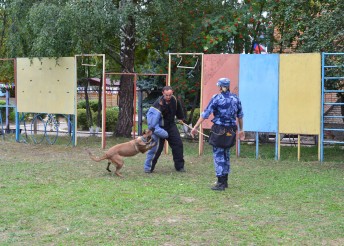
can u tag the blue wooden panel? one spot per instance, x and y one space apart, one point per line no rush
258 91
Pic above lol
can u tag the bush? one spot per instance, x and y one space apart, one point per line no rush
111 119
93 105
81 105
82 120
195 116
12 117
3 112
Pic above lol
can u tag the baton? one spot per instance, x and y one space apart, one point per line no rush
181 122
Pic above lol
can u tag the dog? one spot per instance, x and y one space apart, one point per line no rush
116 153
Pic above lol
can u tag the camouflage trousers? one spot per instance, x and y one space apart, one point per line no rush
221 161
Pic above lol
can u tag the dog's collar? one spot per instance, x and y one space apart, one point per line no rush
135 146
137 150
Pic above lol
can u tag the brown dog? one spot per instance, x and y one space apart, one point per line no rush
116 153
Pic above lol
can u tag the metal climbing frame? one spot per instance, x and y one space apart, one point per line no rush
180 65
103 91
332 82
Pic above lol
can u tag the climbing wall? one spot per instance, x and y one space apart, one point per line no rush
300 93
258 83
214 68
46 85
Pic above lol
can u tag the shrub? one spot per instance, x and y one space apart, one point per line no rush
111 119
195 116
12 117
93 105
81 104
82 120
3 112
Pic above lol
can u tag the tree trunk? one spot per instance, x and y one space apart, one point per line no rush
88 109
126 93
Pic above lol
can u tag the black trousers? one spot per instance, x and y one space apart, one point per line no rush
176 145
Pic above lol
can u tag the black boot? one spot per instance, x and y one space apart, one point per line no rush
220 185
226 180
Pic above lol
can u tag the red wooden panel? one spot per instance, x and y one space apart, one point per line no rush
216 66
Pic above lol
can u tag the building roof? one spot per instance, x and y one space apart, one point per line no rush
96 81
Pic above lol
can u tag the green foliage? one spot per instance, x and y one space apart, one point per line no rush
209 27
54 28
12 117
7 71
195 116
334 68
151 83
308 26
3 112
65 28
111 119
82 119
93 105
81 104
111 115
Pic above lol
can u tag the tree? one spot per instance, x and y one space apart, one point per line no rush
128 43
201 26
138 34
312 26
64 28
308 26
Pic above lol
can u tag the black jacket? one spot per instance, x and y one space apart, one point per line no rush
169 111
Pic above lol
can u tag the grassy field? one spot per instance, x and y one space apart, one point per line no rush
56 195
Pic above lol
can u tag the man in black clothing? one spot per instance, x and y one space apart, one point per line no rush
170 108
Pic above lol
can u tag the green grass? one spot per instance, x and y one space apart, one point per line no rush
56 195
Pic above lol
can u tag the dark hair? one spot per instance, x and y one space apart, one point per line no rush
167 88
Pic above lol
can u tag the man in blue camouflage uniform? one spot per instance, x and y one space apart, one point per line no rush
161 119
226 108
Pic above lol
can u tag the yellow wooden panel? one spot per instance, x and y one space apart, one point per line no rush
46 85
300 93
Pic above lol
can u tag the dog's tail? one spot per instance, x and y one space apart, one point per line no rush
95 158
